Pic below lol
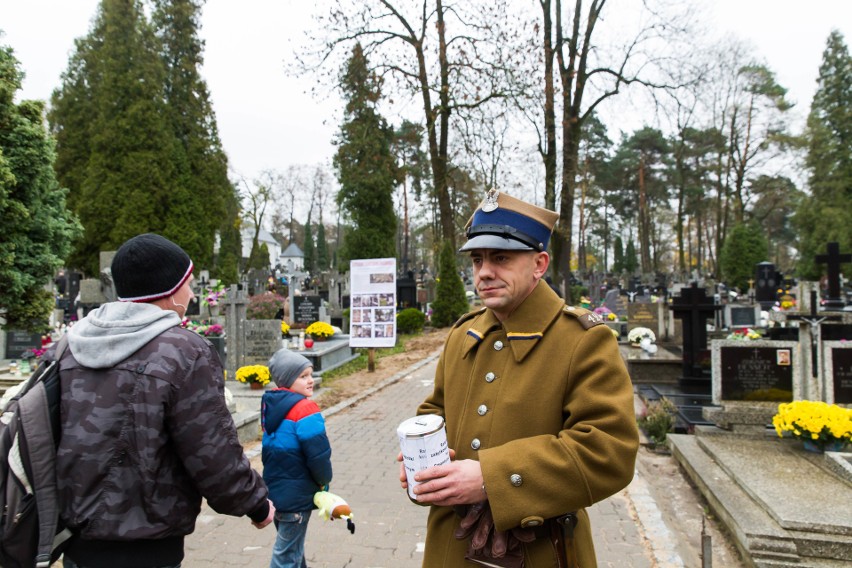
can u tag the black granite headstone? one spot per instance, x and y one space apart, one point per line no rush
757 374
766 285
841 362
742 316
19 343
693 307
306 309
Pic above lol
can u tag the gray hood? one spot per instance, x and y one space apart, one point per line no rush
117 330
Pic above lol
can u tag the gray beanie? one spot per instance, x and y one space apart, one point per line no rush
286 366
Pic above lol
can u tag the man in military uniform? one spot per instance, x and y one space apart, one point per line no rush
538 407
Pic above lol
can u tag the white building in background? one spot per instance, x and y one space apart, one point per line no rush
295 256
264 237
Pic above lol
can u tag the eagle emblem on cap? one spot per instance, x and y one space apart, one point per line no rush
490 201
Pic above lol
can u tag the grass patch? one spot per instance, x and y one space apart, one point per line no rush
360 363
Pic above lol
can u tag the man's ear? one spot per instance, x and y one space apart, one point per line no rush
542 261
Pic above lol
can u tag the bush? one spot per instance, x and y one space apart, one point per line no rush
658 420
264 306
745 246
410 320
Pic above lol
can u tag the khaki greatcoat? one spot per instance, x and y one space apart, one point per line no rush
544 402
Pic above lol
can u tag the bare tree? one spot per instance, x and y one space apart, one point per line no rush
450 56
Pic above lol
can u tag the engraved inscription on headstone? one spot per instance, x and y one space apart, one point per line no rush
19 343
262 339
757 374
307 309
741 316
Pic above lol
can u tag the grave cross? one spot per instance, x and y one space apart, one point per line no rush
235 317
833 259
694 308
814 322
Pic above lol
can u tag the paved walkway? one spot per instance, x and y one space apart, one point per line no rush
390 530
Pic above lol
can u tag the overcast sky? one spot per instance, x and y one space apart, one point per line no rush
266 120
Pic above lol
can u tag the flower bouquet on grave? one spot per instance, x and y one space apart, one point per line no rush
285 329
257 376
639 334
320 330
747 334
820 426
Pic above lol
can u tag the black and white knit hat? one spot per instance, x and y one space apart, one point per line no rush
149 267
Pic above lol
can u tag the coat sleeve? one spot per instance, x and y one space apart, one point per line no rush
591 458
206 439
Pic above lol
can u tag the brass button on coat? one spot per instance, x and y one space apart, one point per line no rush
516 479
530 522
475 443
482 410
498 345
489 377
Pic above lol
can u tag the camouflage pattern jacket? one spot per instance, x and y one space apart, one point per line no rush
145 429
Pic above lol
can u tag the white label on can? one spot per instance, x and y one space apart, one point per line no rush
423 440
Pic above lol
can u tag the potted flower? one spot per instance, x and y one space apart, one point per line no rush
285 329
256 376
212 299
320 330
820 426
637 335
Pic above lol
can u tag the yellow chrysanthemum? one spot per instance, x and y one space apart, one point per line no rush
253 374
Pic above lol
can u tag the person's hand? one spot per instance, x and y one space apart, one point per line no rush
457 483
403 479
268 518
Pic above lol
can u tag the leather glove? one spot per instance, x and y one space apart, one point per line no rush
470 517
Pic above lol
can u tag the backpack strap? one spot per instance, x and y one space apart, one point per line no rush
40 446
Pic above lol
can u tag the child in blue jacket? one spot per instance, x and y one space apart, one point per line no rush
296 454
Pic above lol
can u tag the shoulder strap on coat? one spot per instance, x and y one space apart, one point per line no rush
468 316
586 318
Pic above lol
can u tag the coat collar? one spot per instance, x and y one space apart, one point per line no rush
524 328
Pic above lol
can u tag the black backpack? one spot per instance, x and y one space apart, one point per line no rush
31 534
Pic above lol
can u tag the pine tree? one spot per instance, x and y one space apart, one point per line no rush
198 208
322 248
308 249
117 149
824 217
365 165
450 300
618 256
745 246
37 226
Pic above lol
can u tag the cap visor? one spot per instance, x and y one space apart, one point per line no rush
493 242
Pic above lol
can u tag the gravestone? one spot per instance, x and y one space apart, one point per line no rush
740 316
236 301
750 373
646 315
262 339
837 361
306 310
750 379
833 259
406 291
766 290
693 307
19 343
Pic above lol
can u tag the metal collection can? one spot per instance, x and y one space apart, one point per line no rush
423 440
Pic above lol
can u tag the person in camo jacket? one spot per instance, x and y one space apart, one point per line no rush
145 429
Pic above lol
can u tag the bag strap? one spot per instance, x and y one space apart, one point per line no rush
34 413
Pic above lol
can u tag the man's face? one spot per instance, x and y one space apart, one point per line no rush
504 278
